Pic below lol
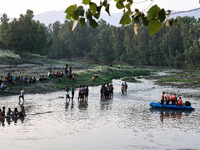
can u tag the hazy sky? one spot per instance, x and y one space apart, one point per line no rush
14 8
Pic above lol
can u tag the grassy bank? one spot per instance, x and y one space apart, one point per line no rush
9 57
183 78
82 77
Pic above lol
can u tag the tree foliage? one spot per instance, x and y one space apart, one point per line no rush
24 34
153 19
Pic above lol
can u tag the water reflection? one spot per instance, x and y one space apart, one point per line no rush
106 104
170 114
9 120
83 104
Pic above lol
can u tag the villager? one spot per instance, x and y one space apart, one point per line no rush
21 96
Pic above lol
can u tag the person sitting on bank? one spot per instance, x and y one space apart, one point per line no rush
167 98
180 102
3 85
162 98
174 99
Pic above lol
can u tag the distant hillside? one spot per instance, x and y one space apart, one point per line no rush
53 16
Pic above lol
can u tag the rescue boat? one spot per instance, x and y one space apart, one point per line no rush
164 106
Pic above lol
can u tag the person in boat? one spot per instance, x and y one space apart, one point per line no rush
9 112
3 112
167 98
21 95
174 99
180 102
126 87
162 98
123 87
22 112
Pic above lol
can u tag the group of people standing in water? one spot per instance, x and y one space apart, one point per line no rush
12 113
173 99
83 92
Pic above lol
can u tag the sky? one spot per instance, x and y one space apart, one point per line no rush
13 8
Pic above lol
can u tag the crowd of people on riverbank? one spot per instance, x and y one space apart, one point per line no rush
19 78
173 99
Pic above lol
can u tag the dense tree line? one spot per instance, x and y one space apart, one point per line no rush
171 46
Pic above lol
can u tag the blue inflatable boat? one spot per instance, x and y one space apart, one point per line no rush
158 105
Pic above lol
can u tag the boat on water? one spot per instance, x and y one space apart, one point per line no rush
164 106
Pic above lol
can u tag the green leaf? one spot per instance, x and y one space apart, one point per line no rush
69 11
86 2
93 8
82 22
153 12
154 26
128 12
136 20
89 14
128 6
71 14
119 5
108 9
130 2
176 22
125 19
97 15
171 21
105 3
93 23
117 0
80 11
162 15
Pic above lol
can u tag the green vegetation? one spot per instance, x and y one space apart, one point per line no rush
153 20
129 79
171 79
7 56
172 47
82 77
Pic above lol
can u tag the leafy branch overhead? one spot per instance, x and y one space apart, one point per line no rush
154 18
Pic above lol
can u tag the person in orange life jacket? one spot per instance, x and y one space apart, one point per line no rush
174 99
180 102
162 98
167 98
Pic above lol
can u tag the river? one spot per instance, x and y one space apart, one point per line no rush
124 123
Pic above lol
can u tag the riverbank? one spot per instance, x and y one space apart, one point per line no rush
82 71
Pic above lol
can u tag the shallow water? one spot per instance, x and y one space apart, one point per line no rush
123 123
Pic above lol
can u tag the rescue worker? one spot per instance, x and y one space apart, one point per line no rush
167 98
180 102
174 99
162 98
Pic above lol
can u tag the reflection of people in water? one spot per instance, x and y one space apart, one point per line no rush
170 114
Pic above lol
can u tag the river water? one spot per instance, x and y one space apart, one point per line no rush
124 123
